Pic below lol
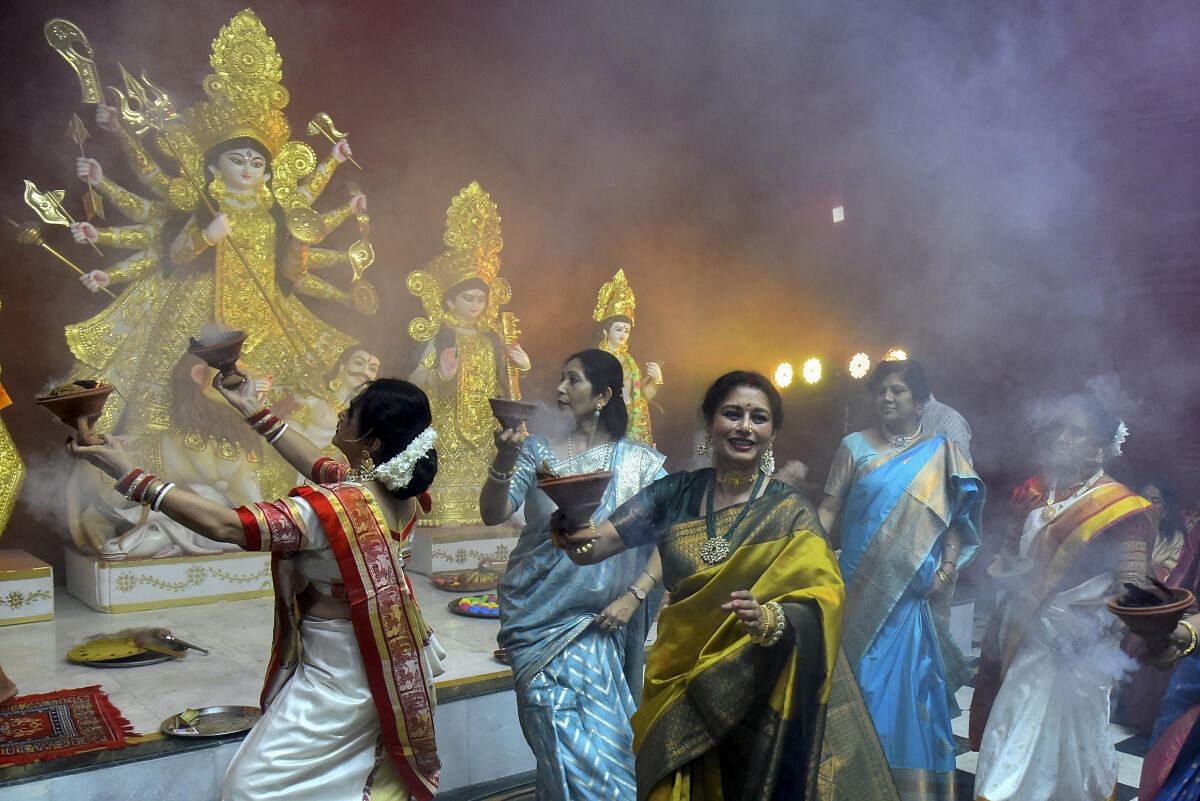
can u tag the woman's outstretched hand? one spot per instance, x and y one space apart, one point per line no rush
242 397
109 456
749 613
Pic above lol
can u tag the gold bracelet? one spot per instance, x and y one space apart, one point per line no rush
772 625
1193 638
779 624
764 614
500 476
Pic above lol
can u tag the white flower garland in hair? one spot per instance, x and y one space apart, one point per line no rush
1119 438
396 472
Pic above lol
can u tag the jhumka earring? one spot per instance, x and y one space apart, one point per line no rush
768 459
703 447
365 470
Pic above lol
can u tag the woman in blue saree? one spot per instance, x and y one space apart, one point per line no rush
576 637
909 506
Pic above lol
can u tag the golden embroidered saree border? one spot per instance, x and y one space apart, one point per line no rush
698 685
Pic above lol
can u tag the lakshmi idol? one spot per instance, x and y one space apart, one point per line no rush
471 353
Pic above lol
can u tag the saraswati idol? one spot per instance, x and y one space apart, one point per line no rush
472 352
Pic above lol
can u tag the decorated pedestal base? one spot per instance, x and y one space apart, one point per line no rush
134 585
462 547
26 588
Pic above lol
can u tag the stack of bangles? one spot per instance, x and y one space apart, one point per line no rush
139 486
579 550
267 424
773 622
942 574
1193 639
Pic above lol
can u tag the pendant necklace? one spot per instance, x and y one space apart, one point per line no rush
900 440
716 548
1050 510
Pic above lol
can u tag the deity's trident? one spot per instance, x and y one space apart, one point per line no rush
77 132
28 234
48 206
322 124
157 115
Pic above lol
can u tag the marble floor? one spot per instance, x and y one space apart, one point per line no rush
238 636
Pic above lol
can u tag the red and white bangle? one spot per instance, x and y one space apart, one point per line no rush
140 487
162 493
265 423
274 436
126 481
137 490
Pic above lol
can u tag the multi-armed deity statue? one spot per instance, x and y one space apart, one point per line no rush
12 469
615 308
227 241
472 352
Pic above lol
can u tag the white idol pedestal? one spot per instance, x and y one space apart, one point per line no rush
135 585
26 588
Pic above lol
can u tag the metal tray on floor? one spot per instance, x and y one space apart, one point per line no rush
211 721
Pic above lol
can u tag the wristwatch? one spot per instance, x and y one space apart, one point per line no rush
638 592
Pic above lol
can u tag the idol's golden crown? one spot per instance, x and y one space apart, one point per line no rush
615 300
472 239
245 94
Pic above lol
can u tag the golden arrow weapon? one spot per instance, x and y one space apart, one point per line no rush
322 125
49 207
30 234
70 43
77 132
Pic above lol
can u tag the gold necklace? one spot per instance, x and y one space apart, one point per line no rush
731 480
1050 510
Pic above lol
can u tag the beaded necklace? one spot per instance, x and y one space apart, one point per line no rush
716 548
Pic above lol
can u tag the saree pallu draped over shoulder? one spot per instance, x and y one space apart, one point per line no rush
897 512
724 719
389 628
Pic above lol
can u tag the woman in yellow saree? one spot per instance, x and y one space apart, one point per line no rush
733 706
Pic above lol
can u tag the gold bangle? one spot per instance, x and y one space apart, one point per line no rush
204 237
779 624
1193 638
763 620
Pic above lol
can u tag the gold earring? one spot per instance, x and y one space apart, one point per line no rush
768 459
365 470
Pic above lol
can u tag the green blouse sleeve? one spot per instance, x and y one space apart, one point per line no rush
639 518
